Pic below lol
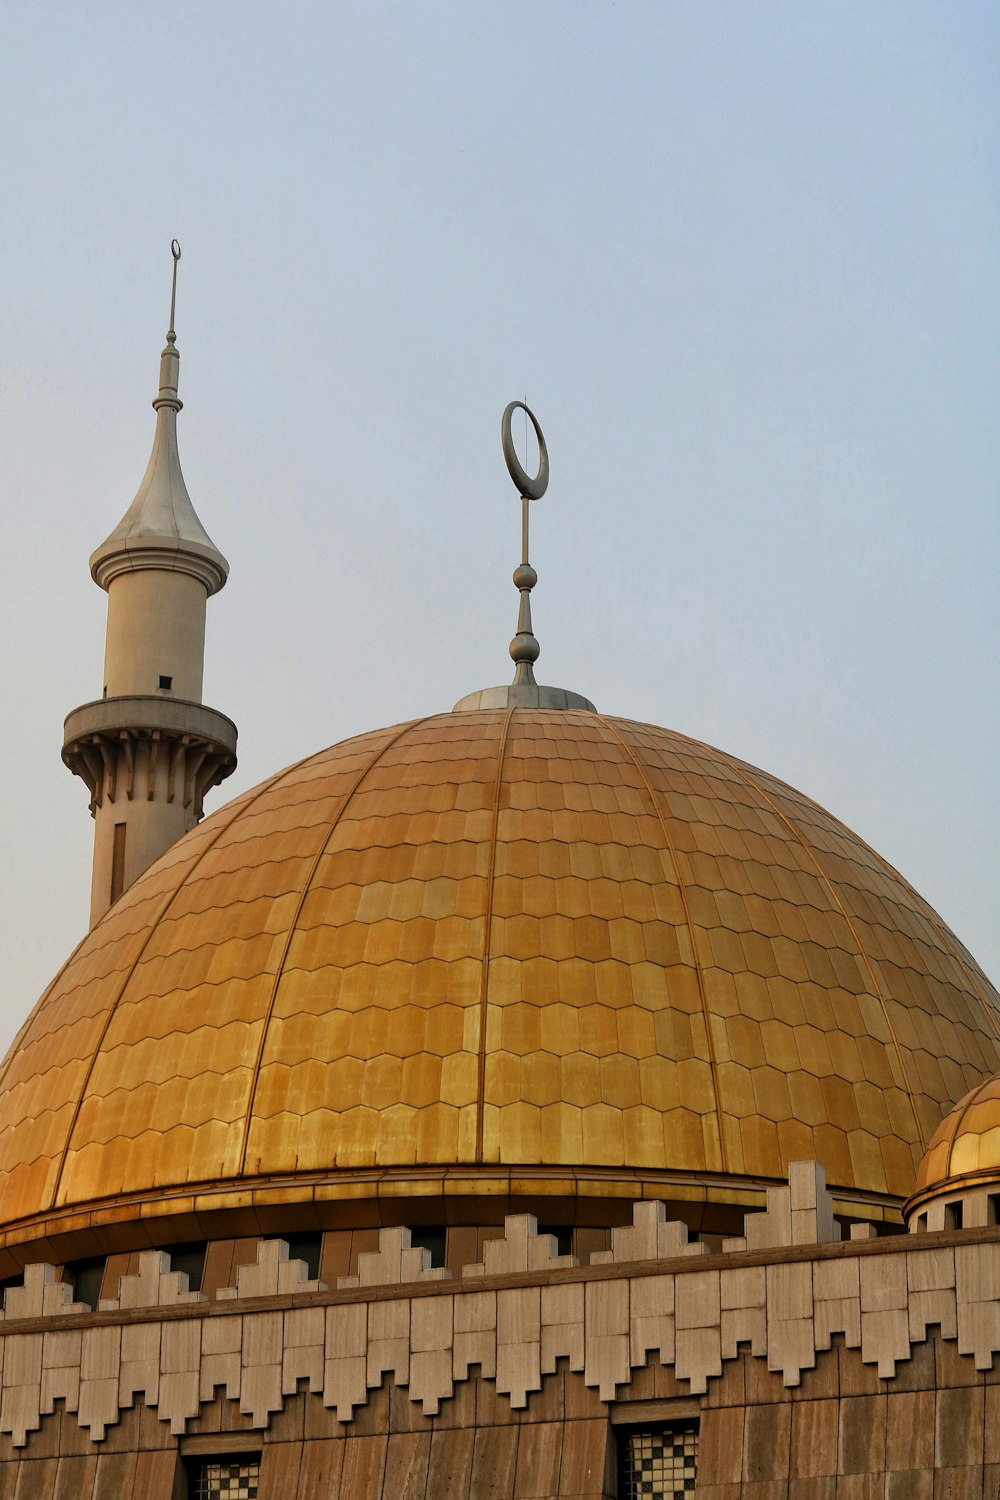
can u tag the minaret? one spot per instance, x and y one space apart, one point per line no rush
149 749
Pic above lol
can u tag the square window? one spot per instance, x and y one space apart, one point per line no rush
430 1237
166 683
232 1476
658 1462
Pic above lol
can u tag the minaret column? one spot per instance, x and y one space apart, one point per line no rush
149 749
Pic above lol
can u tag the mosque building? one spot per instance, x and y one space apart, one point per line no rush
520 1102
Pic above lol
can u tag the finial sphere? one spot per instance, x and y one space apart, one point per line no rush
175 249
532 489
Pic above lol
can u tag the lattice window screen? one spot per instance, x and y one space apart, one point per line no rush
659 1463
235 1478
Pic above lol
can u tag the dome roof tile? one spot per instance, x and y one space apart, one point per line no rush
487 943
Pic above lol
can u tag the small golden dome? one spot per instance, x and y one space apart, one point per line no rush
491 953
966 1145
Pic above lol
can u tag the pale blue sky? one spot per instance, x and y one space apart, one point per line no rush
742 259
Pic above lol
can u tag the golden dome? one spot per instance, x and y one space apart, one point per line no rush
965 1148
488 954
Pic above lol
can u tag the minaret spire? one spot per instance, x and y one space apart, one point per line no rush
149 749
524 691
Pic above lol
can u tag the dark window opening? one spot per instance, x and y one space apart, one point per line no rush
562 1234
189 1258
921 1223
166 683
85 1277
306 1245
993 1209
118 862
430 1237
230 1477
8 1283
953 1216
658 1462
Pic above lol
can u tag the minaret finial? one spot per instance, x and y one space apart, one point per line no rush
175 251
524 648
524 691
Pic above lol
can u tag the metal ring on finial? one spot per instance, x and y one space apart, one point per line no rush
531 489
175 250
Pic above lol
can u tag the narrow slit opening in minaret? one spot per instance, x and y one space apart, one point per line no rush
166 683
118 863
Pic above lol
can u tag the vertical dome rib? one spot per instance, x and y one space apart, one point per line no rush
835 897
365 771
695 957
240 807
487 938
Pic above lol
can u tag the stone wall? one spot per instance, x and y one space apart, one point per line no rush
815 1368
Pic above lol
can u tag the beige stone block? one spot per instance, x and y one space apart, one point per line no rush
346 1330
838 1316
63 1349
223 1335
791 1347
20 1412
562 1341
885 1340
475 1311
883 1282
518 1370
100 1355
303 1326
179 1398
431 1379
220 1371
431 1326
98 1409
837 1279
606 1308
698 1356
139 1371
475 1349
39 1295
789 1292
60 1384
180 1345
302 1362
697 1300
260 1392
743 1325
22 1362
519 1316
930 1270
263 1342
344 1384
607 1363
744 1286
563 1304
930 1308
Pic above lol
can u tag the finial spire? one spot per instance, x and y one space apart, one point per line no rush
524 648
175 251
524 691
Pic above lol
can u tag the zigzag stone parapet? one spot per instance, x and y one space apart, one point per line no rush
514 1318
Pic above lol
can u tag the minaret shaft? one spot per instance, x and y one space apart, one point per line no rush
149 749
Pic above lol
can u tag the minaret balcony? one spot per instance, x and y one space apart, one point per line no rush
121 746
